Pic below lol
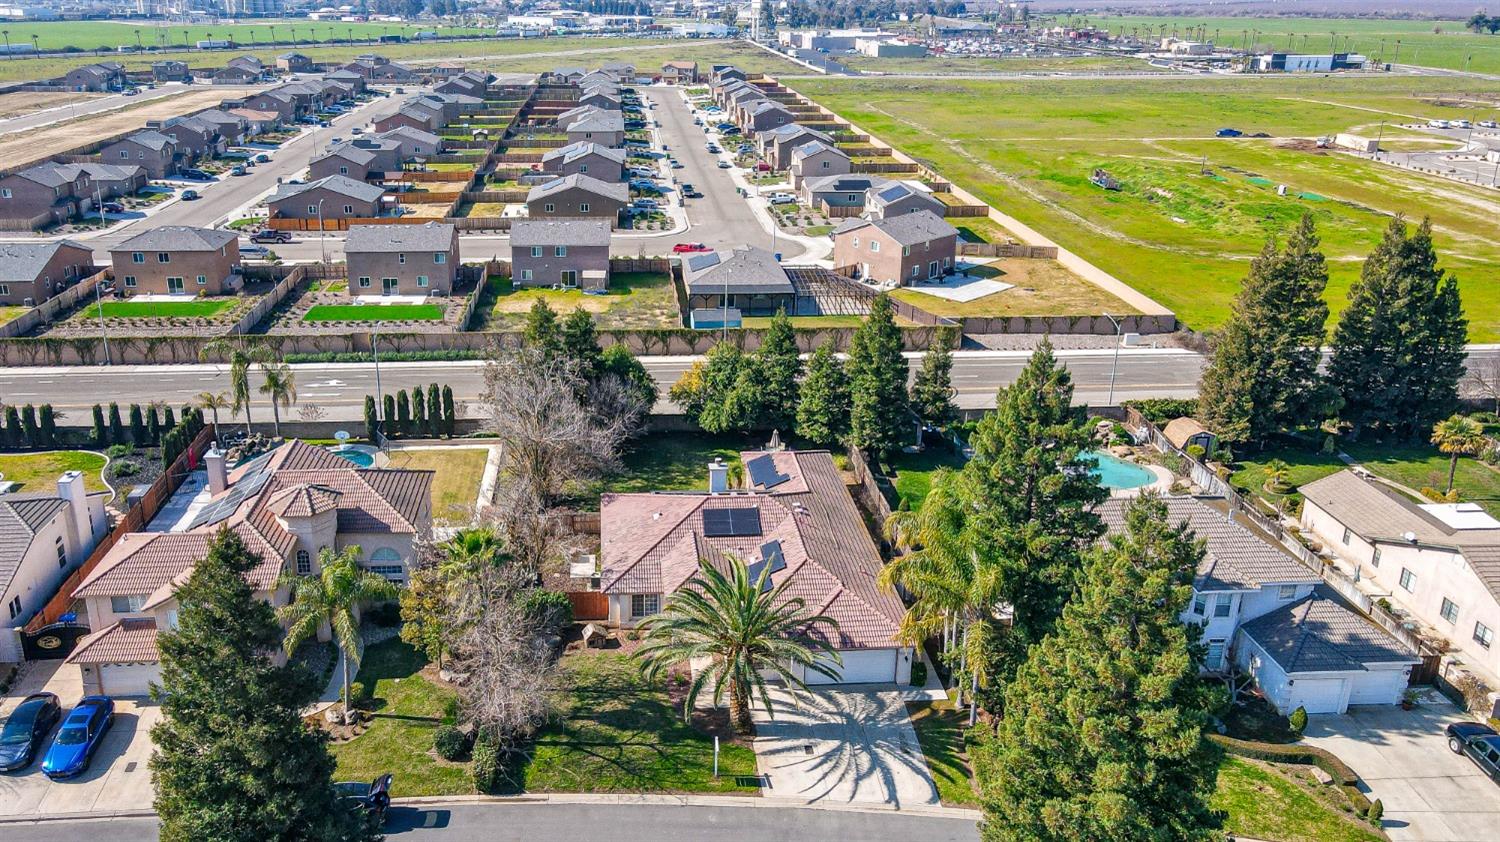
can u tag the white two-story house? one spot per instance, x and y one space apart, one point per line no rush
1263 611
43 539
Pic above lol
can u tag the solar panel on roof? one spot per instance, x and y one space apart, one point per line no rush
770 553
763 472
731 523
716 523
745 521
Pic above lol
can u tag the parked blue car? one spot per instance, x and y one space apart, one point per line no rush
79 737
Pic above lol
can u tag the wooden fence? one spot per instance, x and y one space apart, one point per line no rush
968 211
270 300
135 520
869 491
589 605
48 311
1021 250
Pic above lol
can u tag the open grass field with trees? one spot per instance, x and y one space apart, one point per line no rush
1193 209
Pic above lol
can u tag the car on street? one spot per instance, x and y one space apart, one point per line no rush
79 737
1487 124
373 798
645 204
782 199
239 171
676 164
132 92
1437 124
27 728
691 192
263 158
356 130
1460 124
201 175
1479 743
113 207
689 248
732 130
714 148
724 165
254 252
271 236
189 195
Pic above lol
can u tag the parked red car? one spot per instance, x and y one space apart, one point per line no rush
763 167
689 248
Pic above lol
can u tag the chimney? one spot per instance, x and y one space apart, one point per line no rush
218 478
718 477
70 488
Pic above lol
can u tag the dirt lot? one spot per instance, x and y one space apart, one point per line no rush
25 147
25 102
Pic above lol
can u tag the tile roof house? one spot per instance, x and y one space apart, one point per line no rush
287 505
330 197
795 514
31 273
404 259
752 279
1266 613
577 195
1440 562
586 158
44 536
178 260
900 249
571 252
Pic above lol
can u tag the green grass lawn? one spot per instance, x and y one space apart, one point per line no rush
616 733
805 321
633 300
940 730
1179 234
1038 288
374 313
1306 462
1265 804
10 312
39 471
676 461
911 473
198 308
409 708
455 486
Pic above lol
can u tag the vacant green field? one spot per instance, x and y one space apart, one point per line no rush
1193 209
651 54
962 65
1431 43
374 313
201 308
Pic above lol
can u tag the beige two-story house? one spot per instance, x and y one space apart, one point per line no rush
178 260
402 259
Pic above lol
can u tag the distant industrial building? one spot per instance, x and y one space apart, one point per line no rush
1294 63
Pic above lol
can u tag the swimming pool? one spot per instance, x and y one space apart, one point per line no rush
1117 474
358 457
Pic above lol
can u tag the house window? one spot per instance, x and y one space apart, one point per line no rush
401 258
343 170
129 280
825 165
421 280
906 251
644 604
549 207
560 251
525 274
583 168
856 242
5 193
1286 591
15 608
1200 604
304 563
127 604
1408 580
62 552
1375 557
312 210
916 271
124 154
5 289
1222 603
349 210
874 245
1449 610
1345 538
393 572
439 257
583 207
1215 660
536 251
364 281
137 257
1483 635
202 280
163 257
852 198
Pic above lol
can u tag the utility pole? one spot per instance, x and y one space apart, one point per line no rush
1115 366
104 332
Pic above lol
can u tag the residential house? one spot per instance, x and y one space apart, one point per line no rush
586 159
902 249
361 159
606 128
765 115
195 138
330 197
572 115
570 252
413 143
43 538
1266 613
724 74
108 181
776 144
294 63
248 62
178 260
901 197
451 106
346 77
680 72
724 94
31 273
741 101
795 515
1439 563
601 97
469 83
151 150
563 75
282 104
233 129
402 259
257 122
380 69
95 78
577 196
235 74
412 116
754 282
42 195
817 159
287 506
622 72
840 194
169 70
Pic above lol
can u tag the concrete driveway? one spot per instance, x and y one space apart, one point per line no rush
1430 793
843 745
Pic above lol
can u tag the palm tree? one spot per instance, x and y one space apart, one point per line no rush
281 385
240 360
213 403
1458 436
1278 476
331 597
743 631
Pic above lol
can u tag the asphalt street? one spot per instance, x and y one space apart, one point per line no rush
72 111
619 823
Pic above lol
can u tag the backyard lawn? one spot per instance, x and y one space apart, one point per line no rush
374 313
1264 804
616 733
10 312
911 473
198 308
633 300
39 471
455 486
1038 288
676 461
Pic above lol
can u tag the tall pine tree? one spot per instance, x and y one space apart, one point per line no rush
823 407
541 333
234 761
1398 352
1263 378
932 390
880 413
778 367
1103 729
580 343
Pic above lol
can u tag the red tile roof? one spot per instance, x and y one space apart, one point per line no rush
132 640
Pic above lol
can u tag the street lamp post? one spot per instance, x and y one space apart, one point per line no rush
322 236
379 394
103 331
1115 366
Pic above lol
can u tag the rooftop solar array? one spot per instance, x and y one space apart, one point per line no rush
731 523
763 472
254 479
770 554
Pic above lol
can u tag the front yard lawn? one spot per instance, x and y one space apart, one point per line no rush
409 707
1265 804
940 730
39 471
373 313
198 308
455 486
616 733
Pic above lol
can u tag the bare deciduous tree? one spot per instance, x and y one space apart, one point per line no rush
1483 380
311 412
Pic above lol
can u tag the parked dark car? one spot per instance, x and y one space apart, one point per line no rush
79 737
1228 133
113 207
374 798
201 175
189 195
1480 743
270 236
631 125
26 729
262 158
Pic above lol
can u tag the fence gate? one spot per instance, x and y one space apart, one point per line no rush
53 642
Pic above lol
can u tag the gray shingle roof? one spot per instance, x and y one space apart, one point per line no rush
908 229
814 147
22 262
618 192
559 232
896 192
574 151
599 121
178 238
1320 634
746 271
1234 559
850 183
429 236
151 139
339 184
21 515
48 174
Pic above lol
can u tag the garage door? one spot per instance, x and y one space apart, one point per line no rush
1317 695
1378 687
861 666
128 679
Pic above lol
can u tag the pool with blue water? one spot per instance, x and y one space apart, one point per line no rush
1117 474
